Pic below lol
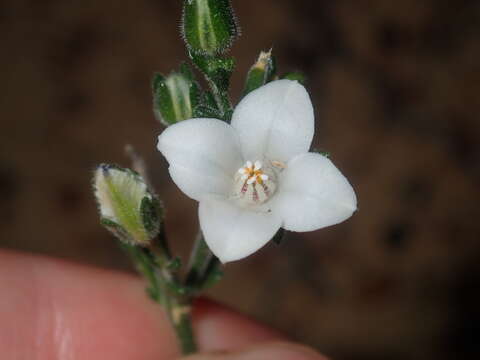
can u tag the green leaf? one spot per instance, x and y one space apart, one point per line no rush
209 26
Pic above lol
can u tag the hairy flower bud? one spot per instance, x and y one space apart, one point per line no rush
127 208
261 72
209 26
175 96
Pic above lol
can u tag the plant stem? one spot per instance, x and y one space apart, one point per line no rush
175 300
165 289
221 98
179 312
199 260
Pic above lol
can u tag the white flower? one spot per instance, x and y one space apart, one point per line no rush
256 175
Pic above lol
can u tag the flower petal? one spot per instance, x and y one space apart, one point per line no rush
313 194
275 121
233 232
204 155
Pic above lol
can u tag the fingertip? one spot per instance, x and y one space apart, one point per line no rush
273 350
63 308
219 328
101 311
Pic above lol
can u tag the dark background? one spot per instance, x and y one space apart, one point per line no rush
396 92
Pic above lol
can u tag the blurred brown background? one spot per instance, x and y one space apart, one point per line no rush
396 89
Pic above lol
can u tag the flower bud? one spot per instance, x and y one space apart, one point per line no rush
126 206
261 72
209 26
175 96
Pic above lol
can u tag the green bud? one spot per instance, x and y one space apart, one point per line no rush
175 96
209 26
261 72
127 208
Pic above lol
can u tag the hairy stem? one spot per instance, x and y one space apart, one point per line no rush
179 312
165 289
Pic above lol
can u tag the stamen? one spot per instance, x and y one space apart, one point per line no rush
252 184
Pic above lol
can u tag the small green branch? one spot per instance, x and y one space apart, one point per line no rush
165 289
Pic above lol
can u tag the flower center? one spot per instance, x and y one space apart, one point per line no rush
254 183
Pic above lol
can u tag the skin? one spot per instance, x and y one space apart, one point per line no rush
51 309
